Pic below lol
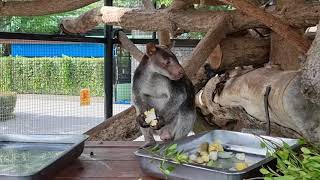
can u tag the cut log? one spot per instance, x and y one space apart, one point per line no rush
311 72
242 51
206 46
40 7
245 89
182 20
278 26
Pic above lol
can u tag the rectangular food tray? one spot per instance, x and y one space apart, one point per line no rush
46 154
234 141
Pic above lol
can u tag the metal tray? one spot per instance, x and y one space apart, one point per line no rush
37 157
232 141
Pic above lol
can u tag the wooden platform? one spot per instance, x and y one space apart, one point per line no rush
110 160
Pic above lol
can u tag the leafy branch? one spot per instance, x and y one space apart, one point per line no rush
169 153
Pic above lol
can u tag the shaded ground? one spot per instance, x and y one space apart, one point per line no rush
54 114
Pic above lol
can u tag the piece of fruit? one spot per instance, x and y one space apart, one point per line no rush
205 158
204 147
151 117
203 153
215 147
241 156
151 114
225 155
199 160
153 123
213 155
241 166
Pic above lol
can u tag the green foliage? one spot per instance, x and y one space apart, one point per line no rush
64 76
291 165
169 153
44 24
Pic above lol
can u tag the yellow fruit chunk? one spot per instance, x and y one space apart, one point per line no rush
205 158
241 166
151 117
199 160
215 147
153 123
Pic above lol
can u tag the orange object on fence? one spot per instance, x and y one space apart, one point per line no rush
85 97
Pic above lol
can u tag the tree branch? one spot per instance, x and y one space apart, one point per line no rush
206 46
272 22
129 46
164 35
40 7
184 20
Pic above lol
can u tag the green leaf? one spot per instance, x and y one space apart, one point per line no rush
305 150
172 147
284 178
264 171
301 141
168 170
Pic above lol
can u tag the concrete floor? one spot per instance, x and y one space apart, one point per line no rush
54 114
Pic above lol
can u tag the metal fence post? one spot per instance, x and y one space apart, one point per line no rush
108 67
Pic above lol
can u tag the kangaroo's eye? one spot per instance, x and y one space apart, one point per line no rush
167 62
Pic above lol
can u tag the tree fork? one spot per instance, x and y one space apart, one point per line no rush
202 51
272 22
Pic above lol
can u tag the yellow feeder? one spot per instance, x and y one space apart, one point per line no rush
85 97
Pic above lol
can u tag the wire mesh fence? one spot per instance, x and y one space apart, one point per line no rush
42 87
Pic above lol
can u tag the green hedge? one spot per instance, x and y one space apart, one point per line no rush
65 76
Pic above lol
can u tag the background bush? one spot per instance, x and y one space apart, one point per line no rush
7 104
61 76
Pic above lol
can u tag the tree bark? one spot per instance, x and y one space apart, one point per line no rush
245 90
40 7
283 53
278 26
164 35
242 51
311 71
206 46
129 46
184 20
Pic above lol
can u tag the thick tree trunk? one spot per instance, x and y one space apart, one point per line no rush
311 71
40 7
184 20
245 90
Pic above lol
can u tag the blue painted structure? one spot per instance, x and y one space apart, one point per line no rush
58 50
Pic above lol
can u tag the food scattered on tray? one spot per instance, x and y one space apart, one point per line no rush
207 154
151 117
214 155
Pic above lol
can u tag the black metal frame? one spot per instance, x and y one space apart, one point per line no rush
108 67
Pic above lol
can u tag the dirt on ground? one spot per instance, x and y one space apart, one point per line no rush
123 128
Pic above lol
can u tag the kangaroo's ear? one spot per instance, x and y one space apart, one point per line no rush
151 49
